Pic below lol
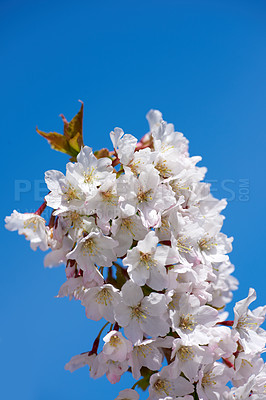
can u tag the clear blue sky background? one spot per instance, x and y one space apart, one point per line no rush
202 63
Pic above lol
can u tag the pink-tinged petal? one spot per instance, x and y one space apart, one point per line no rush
133 331
122 314
149 243
155 326
155 304
131 293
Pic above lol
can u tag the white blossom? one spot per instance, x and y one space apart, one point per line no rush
124 145
140 315
212 380
100 301
146 262
32 226
94 248
145 353
80 361
247 324
163 385
116 347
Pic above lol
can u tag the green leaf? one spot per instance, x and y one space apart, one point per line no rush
58 142
74 126
120 277
75 142
144 382
71 141
147 290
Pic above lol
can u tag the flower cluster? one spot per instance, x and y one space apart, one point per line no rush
140 235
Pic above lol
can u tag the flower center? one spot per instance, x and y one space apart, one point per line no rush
144 349
162 386
177 186
187 322
144 196
147 260
127 224
89 246
182 245
71 194
164 225
244 323
76 219
89 176
208 380
163 170
115 340
104 297
109 197
134 167
175 301
138 313
245 362
33 222
206 244
185 353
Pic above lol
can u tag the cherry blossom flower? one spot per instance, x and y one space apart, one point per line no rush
100 301
80 361
145 354
89 172
146 262
116 347
94 248
124 145
140 315
163 385
189 356
212 380
32 226
247 324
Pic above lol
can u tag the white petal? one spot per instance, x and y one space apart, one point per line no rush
132 293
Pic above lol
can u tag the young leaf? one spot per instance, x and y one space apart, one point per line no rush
71 141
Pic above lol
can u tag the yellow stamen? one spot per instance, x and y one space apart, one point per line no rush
147 260
104 297
144 196
71 194
206 244
162 386
138 313
182 246
164 171
89 175
185 353
208 380
187 322
115 340
109 197
89 246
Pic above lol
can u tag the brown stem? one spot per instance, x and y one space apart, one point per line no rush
115 162
41 208
52 221
116 327
226 323
228 363
166 242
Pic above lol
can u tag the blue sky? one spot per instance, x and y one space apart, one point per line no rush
202 63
